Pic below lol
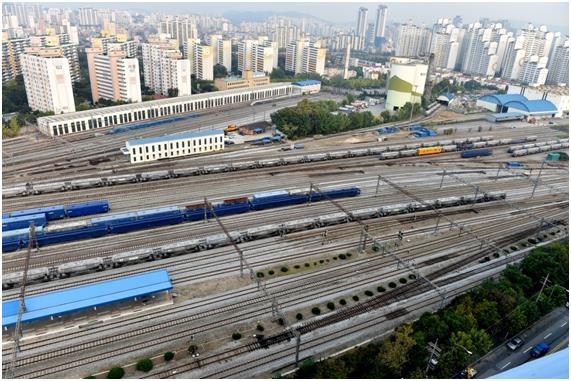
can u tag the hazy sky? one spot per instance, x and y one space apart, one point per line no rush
551 14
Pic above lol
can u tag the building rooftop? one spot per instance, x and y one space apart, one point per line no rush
533 106
157 103
306 82
502 99
168 138
78 298
448 96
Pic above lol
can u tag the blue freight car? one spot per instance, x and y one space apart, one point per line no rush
228 209
50 237
55 212
476 153
261 203
23 222
335 193
16 239
125 222
87 208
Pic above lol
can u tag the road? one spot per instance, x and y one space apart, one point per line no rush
552 329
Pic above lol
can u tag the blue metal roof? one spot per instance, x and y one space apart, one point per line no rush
502 99
306 82
168 138
77 298
533 106
553 366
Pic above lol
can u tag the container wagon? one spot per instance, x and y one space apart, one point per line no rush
87 208
476 153
23 222
55 212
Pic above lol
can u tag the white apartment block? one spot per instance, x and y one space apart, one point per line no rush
88 17
169 146
113 75
203 62
180 29
559 65
412 41
263 58
11 51
164 68
224 54
304 56
245 54
534 71
47 80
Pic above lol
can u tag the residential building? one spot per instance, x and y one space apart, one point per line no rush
224 53
203 62
559 65
263 58
11 51
47 80
88 17
177 145
380 22
179 28
534 71
245 49
113 75
164 68
303 56
362 22
69 50
413 40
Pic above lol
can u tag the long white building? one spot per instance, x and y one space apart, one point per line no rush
169 146
47 80
57 125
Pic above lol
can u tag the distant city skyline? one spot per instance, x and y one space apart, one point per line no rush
553 14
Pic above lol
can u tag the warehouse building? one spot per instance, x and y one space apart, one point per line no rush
59 304
57 125
169 146
309 86
497 102
517 103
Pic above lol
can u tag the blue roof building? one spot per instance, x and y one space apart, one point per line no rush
445 98
497 102
537 107
307 82
92 295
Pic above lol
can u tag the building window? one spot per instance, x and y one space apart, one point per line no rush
141 150
134 159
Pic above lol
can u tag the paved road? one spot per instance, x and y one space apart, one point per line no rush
553 330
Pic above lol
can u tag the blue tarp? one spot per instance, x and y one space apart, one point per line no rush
77 298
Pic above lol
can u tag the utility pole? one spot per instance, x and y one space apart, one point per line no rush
434 353
545 280
537 178
21 304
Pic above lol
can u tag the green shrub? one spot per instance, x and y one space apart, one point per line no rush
342 256
315 311
392 285
281 321
116 372
331 306
334 258
260 274
236 335
349 255
168 356
144 365
307 265
314 263
271 272
403 280
321 261
342 302
369 293
381 289
260 328
299 316
297 266
192 348
355 298
284 269
412 277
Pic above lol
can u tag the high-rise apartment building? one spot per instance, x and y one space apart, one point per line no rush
47 80
446 44
179 28
381 21
88 17
11 51
362 22
164 68
203 62
413 40
559 65
69 51
113 75
303 56
224 53
245 49
262 58
534 71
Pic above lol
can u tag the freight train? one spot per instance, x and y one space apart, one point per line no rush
530 149
170 215
65 270
29 188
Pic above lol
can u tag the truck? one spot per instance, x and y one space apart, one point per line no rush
231 128
539 350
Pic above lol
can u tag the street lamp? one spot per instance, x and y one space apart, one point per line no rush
464 348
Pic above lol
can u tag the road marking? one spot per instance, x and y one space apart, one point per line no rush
546 336
527 350
564 324
506 365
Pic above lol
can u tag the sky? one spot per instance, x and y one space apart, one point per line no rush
548 13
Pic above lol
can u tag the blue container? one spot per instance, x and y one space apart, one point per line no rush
16 239
277 201
229 209
87 208
196 214
336 193
515 164
23 222
476 153
77 233
56 212
145 223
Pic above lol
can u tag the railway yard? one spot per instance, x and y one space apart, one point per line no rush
319 275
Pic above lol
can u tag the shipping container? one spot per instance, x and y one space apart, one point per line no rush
87 208
270 194
55 212
476 153
23 222
429 151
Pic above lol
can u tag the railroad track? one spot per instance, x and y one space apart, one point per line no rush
148 343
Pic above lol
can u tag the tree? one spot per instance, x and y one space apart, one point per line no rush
14 98
172 92
116 372
394 351
144 365
220 71
386 116
11 129
486 314
168 356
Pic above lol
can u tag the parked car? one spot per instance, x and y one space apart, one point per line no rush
539 350
515 343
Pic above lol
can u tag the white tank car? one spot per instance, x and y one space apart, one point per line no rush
446 142
378 150
531 138
407 153
479 144
519 152
449 148
72 268
515 148
486 138
298 225
34 275
505 141
430 144
389 155
262 231
396 148
491 143
533 150
474 139
183 172
365 213
556 146
413 145
391 210
318 157
334 218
